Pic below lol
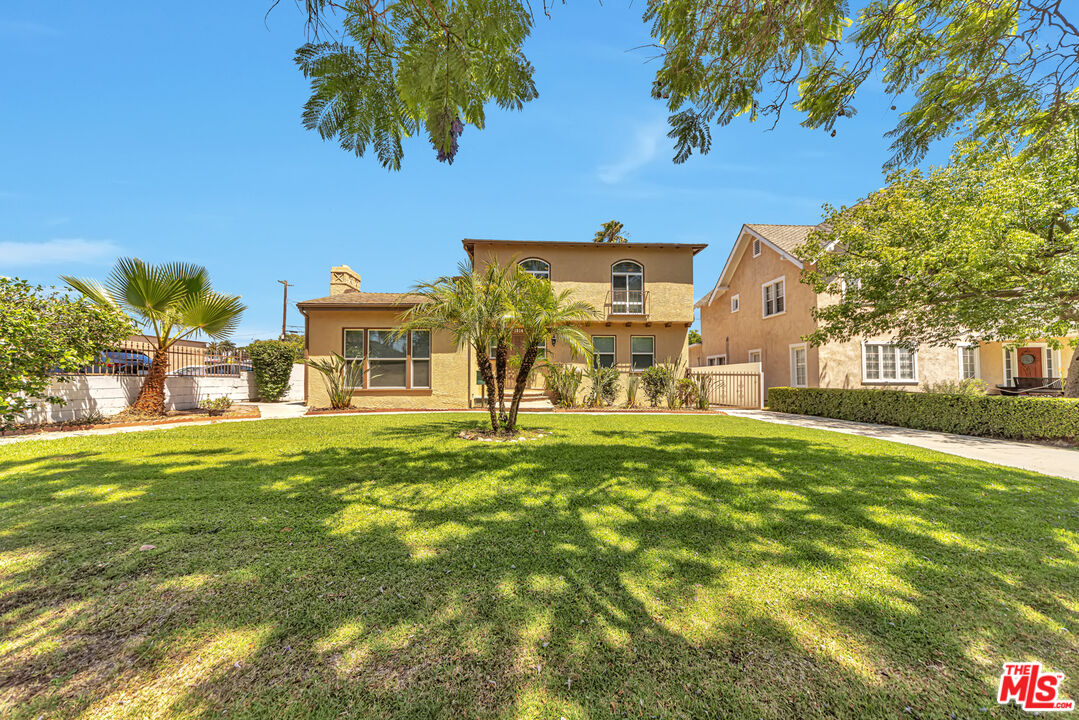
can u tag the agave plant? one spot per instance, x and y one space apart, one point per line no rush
171 302
341 376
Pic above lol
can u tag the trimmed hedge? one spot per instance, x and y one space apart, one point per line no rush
1028 418
271 360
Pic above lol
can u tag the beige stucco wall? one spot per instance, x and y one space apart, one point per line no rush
586 270
736 333
841 366
449 365
696 357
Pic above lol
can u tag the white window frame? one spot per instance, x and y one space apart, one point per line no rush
977 359
736 303
805 354
543 275
628 307
756 247
708 360
760 355
764 303
880 368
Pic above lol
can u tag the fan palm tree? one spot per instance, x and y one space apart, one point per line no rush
472 307
540 313
171 302
610 232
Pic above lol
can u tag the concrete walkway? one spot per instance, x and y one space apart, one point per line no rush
1045 459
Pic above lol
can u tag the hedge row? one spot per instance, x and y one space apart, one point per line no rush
1035 418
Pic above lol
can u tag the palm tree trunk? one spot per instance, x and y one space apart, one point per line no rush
488 380
1071 385
501 355
519 386
151 398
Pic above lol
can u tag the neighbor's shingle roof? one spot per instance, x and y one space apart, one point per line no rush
786 237
356 298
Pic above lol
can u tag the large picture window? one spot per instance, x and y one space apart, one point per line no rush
642 352
386 357
603 348
421 358
627 288
884 362
773 297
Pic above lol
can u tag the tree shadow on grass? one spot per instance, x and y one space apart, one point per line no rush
382 568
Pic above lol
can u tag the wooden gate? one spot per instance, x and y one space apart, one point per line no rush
733 386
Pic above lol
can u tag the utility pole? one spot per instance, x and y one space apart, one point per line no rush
284 308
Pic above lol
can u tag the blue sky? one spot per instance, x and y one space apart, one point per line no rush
172 132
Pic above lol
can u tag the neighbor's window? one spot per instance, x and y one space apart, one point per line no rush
756 247
773 297
536 268
354 349
627 288
736 303
642 352
968 362
885 362
386 359
603 349
717 360
754 356
799 366
421 358
1050 368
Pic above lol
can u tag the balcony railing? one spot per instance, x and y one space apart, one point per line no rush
626 302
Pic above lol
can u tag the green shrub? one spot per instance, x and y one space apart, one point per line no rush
657 380
216 406
296 341
1035 418
969 386
563 381
704 390
271 361
604 386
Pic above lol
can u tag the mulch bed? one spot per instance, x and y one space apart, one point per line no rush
485 435
240 412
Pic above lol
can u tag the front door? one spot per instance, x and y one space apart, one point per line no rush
1030 362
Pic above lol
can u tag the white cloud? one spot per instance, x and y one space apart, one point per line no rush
641 151
58 251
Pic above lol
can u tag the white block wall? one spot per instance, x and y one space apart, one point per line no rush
109 395
295 384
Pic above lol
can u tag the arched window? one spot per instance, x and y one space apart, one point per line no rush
536 268
627 288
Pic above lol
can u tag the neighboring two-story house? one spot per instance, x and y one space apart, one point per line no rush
642 294
758 311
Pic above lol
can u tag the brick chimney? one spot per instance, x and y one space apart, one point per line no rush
343 279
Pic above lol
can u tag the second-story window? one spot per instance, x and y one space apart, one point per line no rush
536 268
773 297
627 288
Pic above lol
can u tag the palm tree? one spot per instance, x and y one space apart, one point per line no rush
171 302
610 232
472 307
541 313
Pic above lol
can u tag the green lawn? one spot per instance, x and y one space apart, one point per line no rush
643 566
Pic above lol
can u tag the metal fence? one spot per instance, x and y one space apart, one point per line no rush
734 386
133 357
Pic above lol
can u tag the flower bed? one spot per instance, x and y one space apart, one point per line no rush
239 412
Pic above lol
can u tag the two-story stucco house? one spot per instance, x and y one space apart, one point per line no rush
758 311
642 294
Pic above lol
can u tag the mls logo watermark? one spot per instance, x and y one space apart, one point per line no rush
1031 689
